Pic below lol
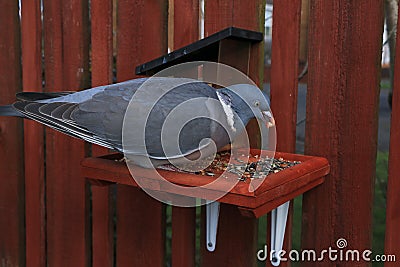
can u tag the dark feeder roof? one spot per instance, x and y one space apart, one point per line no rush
206 49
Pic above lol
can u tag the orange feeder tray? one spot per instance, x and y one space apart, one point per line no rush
276 189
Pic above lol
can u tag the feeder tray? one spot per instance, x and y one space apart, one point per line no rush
276 189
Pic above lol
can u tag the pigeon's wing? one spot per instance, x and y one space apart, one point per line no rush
97 115
103 114
172 126
56 110
32 110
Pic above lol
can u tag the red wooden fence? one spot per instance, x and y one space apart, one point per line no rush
392 239
66 51
185 31
102 73
12 233
31 28
342 100
51 216
139 216
284 82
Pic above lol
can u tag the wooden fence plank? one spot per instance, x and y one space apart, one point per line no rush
102 226
342 102
186 30
102 60
186 22
31 34
392 238
141 36
239 236
52 26
284 71
12 239
140 228
183 236
75 26
102 42
217 16
236 240
284 82
66 68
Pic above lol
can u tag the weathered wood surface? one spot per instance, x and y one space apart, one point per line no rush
185 31
284 86
31 38
12 240
66 50
102 73
392 238
141 36
342 121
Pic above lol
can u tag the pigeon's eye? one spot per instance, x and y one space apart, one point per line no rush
257 103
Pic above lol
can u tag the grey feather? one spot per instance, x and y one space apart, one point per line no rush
60 110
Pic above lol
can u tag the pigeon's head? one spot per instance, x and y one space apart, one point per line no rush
248 102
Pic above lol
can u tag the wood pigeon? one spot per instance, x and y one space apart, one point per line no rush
98 115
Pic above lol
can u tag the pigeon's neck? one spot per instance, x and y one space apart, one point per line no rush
229 112
236 110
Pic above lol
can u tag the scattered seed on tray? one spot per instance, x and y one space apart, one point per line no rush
246 169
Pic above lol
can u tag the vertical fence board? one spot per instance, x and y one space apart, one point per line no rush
31 34
75 27
392 238
141 36
186 22
52 26
240 236
66 67
217 16
284 71
284 82
186 31
102 60
342 102
102 226
102 42
140 228
236 240
12 244
183 236
251 15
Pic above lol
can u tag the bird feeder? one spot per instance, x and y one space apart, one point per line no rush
232 46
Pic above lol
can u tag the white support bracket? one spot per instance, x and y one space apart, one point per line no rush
212 215
278 225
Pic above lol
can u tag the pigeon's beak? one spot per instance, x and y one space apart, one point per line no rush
268 119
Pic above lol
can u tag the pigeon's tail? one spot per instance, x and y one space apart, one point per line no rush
10 111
